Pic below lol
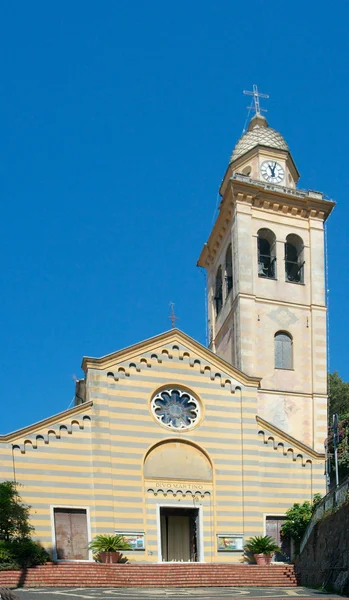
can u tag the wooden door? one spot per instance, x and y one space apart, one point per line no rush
175 536
178 542
273 528
71 533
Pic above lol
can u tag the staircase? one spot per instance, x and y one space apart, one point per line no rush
162 575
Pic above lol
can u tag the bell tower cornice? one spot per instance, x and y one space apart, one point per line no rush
242 190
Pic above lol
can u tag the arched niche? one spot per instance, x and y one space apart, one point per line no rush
177 460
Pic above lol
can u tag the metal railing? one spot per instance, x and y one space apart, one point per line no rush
333 499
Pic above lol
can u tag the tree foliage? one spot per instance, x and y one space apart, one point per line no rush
297 520
17 549
14 515
338 396
342 451
338 402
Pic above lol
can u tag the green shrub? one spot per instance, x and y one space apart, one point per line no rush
14 514
5 553
17 549
21 553
28 553
297 520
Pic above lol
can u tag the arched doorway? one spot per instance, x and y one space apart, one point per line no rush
178 477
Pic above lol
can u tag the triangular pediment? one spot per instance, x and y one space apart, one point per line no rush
176 345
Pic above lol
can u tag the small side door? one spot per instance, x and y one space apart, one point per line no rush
273 528
71 534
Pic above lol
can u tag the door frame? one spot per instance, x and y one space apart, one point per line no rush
53 530
200 534
271 515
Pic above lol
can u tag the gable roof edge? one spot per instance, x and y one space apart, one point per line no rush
291 440
175 334
70 412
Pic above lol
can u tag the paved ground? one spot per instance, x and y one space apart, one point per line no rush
170 593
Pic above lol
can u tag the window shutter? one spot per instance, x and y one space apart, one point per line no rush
283 351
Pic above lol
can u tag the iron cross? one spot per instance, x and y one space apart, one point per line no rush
173 316
256 95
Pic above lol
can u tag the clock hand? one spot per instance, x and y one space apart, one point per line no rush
273 170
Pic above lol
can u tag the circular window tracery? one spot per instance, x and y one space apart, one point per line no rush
175 409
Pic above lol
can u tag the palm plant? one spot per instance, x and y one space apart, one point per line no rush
109 543
261 544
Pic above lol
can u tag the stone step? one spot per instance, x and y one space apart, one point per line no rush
33 577
134 573
165 575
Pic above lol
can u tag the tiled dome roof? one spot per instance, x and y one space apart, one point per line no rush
259 134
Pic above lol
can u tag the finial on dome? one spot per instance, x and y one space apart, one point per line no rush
256 95
257 121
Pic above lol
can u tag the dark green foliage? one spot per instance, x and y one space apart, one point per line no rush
338 402
297 520
338 396
28 553
21 553
261 544
14 515
343 449
17 550
5 553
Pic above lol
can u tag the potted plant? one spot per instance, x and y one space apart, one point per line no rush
109 547
262 547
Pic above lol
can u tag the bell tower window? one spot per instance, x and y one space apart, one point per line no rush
229 269
283 350
294 263
219 291
266 254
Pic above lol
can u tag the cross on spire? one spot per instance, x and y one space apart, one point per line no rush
173 316
256 95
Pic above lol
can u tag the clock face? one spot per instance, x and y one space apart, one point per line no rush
272 171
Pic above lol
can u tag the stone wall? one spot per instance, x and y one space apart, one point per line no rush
324 560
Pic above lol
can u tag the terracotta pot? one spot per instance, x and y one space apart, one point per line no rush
263 560
109 557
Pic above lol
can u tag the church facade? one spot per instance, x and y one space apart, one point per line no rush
185 450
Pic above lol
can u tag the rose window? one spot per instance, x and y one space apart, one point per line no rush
175 409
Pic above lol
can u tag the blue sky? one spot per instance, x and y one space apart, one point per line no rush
117 122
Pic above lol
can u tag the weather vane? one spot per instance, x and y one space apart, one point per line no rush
256 95
172 316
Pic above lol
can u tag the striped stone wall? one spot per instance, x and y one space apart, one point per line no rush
93 456
52 464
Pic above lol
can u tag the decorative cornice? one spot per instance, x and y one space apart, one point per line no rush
272 198
71 412
287 438
184 492
163 341
280 302
291 393
54 430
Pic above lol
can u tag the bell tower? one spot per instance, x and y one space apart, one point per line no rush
266 282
